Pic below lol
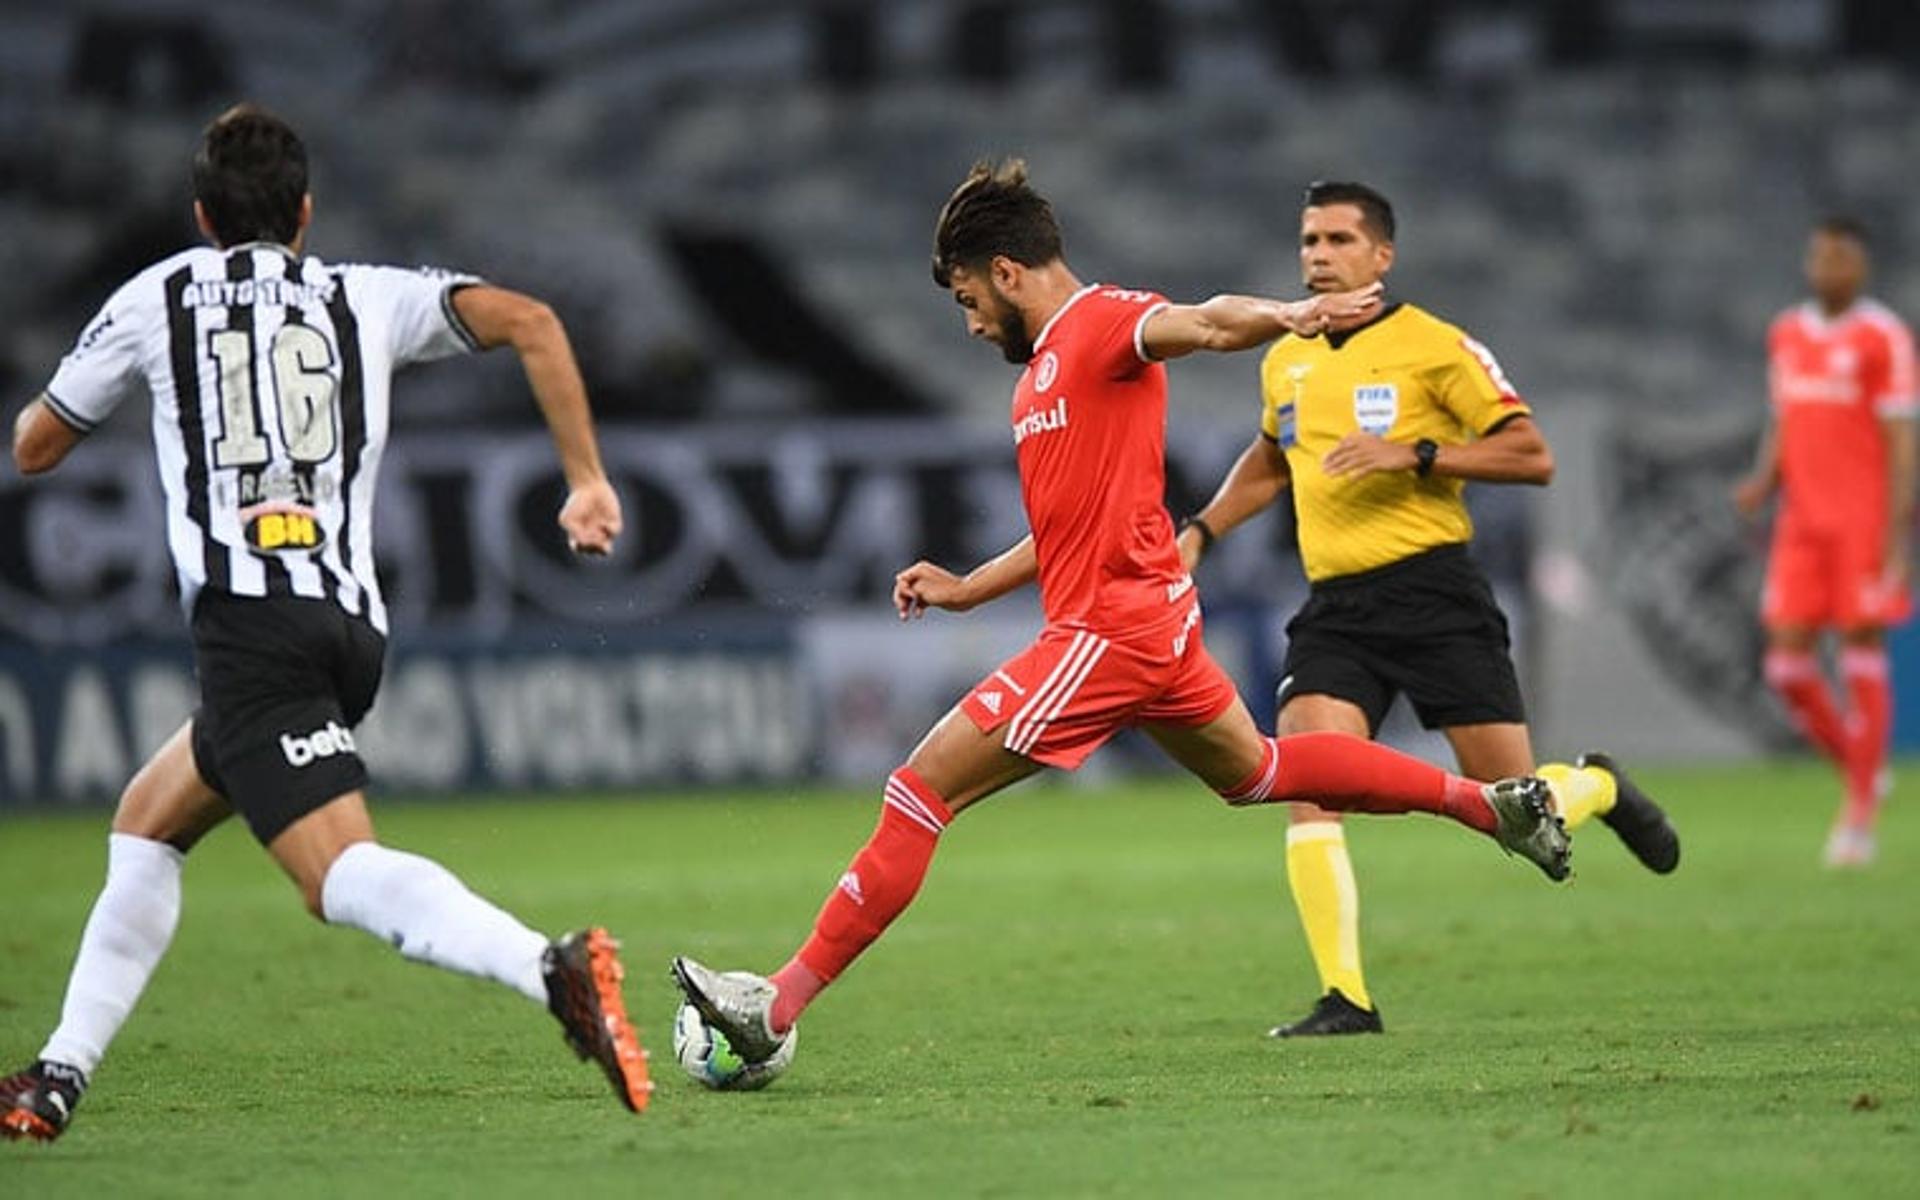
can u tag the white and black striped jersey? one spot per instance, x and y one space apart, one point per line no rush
271 378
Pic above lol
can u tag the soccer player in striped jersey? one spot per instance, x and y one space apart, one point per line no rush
269 372
1842 451
1122 642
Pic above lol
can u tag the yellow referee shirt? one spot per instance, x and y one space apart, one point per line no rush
1406 376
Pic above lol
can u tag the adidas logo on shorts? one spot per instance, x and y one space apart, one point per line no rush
325 742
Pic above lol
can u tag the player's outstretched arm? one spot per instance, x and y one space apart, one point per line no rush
1242 322
1258 477
498 317
927 585
1750 494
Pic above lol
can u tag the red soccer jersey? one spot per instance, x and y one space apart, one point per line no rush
1089 424
1833 380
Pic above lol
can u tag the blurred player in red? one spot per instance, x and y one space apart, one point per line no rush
1122 642
1840 448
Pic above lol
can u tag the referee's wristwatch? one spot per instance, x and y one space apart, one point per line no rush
1424 452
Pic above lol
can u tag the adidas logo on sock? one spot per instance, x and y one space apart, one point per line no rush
325 742
850 884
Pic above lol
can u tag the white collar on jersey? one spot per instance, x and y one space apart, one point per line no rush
1810 313
1058 313
260 244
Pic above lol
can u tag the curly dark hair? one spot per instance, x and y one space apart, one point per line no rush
994 212
250 176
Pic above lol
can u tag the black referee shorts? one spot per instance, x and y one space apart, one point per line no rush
1426 625
283 681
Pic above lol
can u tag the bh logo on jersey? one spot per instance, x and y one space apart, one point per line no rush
283 529
1046 371
331 739
1375 405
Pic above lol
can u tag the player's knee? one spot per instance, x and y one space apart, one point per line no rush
143 814
313 896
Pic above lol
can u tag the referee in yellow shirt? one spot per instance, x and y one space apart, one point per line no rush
1376 432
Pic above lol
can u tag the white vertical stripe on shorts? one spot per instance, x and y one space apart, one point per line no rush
1053 696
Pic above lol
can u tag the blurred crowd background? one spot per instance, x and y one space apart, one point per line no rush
730 203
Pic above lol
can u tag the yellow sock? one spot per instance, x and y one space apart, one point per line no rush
1321 876
1581 792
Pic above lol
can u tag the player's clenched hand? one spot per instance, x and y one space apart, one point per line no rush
1361 453
1338 311
591 518
927 585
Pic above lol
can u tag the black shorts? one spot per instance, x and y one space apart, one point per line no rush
1426 625
283 681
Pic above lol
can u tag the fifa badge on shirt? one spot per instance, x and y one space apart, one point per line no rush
1375 405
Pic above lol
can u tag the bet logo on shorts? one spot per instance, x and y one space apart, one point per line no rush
333 738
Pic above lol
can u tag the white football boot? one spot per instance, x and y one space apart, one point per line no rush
1849 847
737 1003
1529 826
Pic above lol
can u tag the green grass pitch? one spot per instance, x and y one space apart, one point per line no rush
1075 1006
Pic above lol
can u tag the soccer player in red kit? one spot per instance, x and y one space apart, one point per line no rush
1122 642
1840 447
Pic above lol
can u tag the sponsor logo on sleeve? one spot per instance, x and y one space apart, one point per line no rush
1491 366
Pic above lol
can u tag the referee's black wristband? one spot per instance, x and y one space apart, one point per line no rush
1206 533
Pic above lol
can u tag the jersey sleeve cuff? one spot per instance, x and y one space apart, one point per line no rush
452 314
1510 411
1140 331
68 416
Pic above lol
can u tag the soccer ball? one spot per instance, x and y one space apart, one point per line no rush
705 1055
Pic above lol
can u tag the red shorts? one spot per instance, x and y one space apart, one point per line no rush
1821 579
1071 690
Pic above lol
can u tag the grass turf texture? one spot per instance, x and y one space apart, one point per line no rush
1075 1005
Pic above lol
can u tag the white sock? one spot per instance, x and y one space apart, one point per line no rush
431 917
131 926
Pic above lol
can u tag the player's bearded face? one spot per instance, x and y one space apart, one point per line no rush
1010 328
990 315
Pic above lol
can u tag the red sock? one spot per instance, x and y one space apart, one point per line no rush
1795 676
879 884
1871 697
1350 774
